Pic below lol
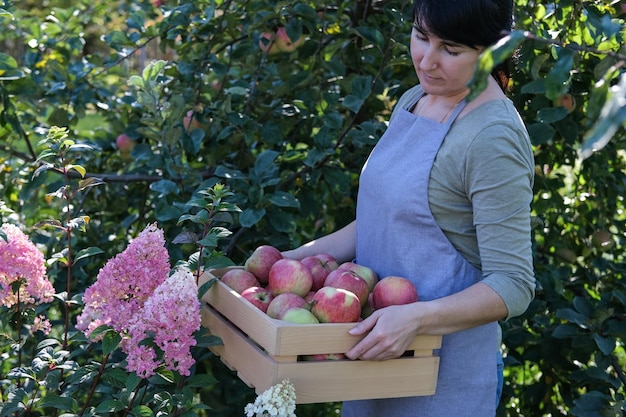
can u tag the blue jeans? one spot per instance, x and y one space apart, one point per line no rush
500 368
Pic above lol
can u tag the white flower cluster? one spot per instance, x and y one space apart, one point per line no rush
277 401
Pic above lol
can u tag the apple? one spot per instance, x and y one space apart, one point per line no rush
124 143
289 275
349 280
261 260
267 43
284 302
284 42
368 274
259 297
190 122
320 266
393 290
309 296
335 305
239 279
300 315
602 240
323 357
566 100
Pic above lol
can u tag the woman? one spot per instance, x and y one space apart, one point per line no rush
444 200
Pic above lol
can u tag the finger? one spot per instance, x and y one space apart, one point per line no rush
364 326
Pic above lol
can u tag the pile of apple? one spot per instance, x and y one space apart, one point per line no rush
316 289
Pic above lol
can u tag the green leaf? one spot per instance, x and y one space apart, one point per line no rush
85 253
58 402
612 117
571 316
201 381
9 68
142 411
283 199
89 182
552 114
204 338
110 341
605 344
490 58
251 216
164 187
372 34
557 81
153 70
362 86
132 381
205 287
353 103
109 406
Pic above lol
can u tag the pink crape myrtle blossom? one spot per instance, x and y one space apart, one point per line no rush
21 260
41 323
125 282
169 317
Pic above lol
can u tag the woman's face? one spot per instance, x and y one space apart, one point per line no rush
443 68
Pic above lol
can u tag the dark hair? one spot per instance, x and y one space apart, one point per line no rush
475 23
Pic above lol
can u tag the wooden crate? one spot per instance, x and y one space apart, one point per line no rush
264 351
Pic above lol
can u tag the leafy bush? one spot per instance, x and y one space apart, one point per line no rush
206 96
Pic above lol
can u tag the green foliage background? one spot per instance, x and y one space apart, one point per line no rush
288 132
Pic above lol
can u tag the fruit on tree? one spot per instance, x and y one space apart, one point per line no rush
284 42
602 239
124 143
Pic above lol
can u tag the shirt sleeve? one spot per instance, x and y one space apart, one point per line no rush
499 183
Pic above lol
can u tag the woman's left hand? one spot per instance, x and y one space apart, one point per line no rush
389 331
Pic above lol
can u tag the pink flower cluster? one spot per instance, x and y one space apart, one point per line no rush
134 295
124 284
21 260
170 317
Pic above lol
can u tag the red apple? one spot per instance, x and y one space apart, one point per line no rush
289 275
124 143
284 302
309 296
320 266
284 42
261 260
323 357
259 297
335 305
393 290
300 315
349 280
267 43
368 274
190 122
239 279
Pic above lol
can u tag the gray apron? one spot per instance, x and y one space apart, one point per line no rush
397 235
